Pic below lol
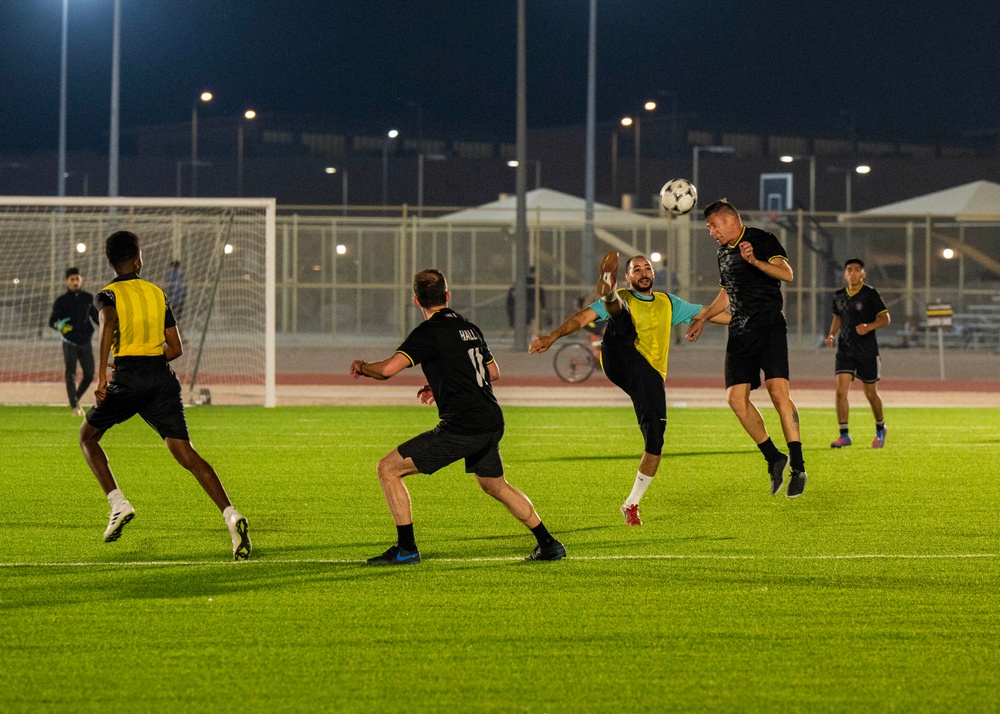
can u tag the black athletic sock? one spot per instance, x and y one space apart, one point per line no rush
844 431
880 425
404 538
542 535
769 450
795 454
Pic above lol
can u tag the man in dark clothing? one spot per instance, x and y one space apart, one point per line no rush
74 316
752 266
460 370
858 311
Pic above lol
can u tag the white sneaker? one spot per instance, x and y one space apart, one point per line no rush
78 411
120 517
238 529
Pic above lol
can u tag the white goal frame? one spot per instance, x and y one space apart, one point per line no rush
269 205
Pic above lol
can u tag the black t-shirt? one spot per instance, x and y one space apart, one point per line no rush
754 297
862 307
453 354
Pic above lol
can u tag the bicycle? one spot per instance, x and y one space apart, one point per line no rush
574 362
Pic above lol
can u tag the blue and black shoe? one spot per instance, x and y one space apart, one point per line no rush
396 556
551 551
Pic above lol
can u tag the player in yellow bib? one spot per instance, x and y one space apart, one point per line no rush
634 353
139 329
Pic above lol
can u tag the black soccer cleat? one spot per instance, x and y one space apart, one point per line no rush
774 470
553 551
796 484
396 556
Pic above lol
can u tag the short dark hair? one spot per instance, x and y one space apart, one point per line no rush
855 261
70 272
121 247
721 205
430 288
628 263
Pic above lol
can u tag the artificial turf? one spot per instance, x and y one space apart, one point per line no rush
874 591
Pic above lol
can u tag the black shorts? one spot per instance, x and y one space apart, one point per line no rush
437 448
762 349
145 386
867 369
629 370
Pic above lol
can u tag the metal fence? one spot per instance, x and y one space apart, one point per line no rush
347 277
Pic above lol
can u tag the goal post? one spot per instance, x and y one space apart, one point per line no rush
215 259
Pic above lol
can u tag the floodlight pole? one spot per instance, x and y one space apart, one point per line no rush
521 220
587 246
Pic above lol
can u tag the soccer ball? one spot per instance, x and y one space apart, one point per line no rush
678 196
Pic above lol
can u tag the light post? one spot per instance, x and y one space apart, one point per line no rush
636 123
789 158
848 207
696 150
859 169
62 100
389 136
115 104
331 170
205 98
248 115
514 163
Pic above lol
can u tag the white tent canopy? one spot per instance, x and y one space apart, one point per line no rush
972 200
546 206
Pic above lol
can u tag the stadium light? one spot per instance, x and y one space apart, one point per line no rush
514 163
636 123
228 249
205 98
947 254
248 115
341 249
331 170
389 136
789 158
81 247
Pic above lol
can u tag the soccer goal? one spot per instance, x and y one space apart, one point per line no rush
213 257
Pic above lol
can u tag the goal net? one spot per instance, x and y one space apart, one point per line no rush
213 257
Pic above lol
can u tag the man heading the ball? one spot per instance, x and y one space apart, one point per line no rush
752 266
138 327
858 311
634 353
460 370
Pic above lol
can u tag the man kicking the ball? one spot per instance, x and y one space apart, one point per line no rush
634 353
460 369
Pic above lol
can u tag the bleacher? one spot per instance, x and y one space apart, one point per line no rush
978 327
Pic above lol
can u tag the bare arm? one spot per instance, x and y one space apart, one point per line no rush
172 348
881 321
493 370
834 329
572 324
108 323
778 268
709 312
382 370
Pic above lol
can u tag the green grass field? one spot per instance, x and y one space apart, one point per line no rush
875 591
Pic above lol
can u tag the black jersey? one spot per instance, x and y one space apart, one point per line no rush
862 307
453 354
754 297
78 308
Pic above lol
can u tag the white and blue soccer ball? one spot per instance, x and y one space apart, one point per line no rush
678 196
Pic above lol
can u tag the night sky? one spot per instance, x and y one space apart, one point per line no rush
922 71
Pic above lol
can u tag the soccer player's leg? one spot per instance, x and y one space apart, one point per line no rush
650 404
844 372
118 406
869 373
391 470
69 364
774 363
86 356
